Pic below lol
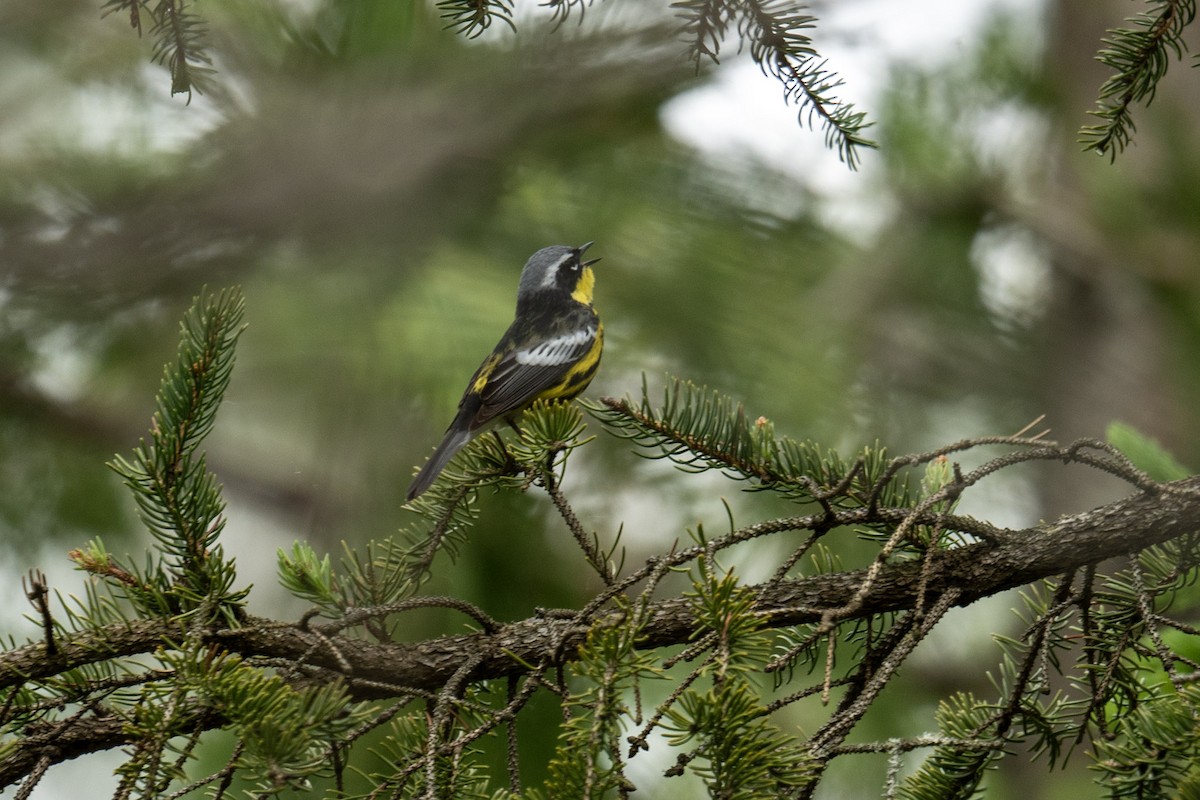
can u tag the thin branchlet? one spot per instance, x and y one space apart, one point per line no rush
1139 56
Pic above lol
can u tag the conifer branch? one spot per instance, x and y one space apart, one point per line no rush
170 653
472 17
180 46
179 40
1139 56
705 23
131 7
178 498
373 670
977 570
779 44
776 33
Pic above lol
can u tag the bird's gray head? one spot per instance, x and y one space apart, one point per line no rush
557 268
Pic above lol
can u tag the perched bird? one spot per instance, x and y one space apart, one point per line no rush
550 352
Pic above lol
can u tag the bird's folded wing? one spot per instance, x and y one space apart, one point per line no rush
527 372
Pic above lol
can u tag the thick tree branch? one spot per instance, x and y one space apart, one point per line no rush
55 742
88 647
375 670
977 570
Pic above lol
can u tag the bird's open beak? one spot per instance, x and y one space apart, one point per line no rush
582 249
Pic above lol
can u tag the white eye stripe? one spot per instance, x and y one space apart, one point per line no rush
551 276
556 351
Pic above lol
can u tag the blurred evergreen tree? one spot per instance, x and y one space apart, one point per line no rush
375 183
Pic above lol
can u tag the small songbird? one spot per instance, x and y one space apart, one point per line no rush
550 352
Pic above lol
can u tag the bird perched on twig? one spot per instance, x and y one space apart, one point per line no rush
550 352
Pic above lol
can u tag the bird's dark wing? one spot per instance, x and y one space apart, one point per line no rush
524 373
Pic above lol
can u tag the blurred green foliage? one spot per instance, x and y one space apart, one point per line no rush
375 184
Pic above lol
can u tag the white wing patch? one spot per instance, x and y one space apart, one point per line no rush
557 351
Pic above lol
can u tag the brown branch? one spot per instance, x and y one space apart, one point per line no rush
375 670
977 570
111 641
55 742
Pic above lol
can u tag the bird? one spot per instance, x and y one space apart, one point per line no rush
550 352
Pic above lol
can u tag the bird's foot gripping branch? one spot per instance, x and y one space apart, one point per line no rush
744 688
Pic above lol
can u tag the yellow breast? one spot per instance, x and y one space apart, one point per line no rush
580 374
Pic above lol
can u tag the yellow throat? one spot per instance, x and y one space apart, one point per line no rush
584 287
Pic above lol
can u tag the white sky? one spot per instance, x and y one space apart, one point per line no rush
742 111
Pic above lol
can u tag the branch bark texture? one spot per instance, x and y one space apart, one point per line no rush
381 669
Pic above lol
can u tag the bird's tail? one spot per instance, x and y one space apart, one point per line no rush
455 440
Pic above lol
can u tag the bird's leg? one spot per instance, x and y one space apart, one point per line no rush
511 467
553 453
503 447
